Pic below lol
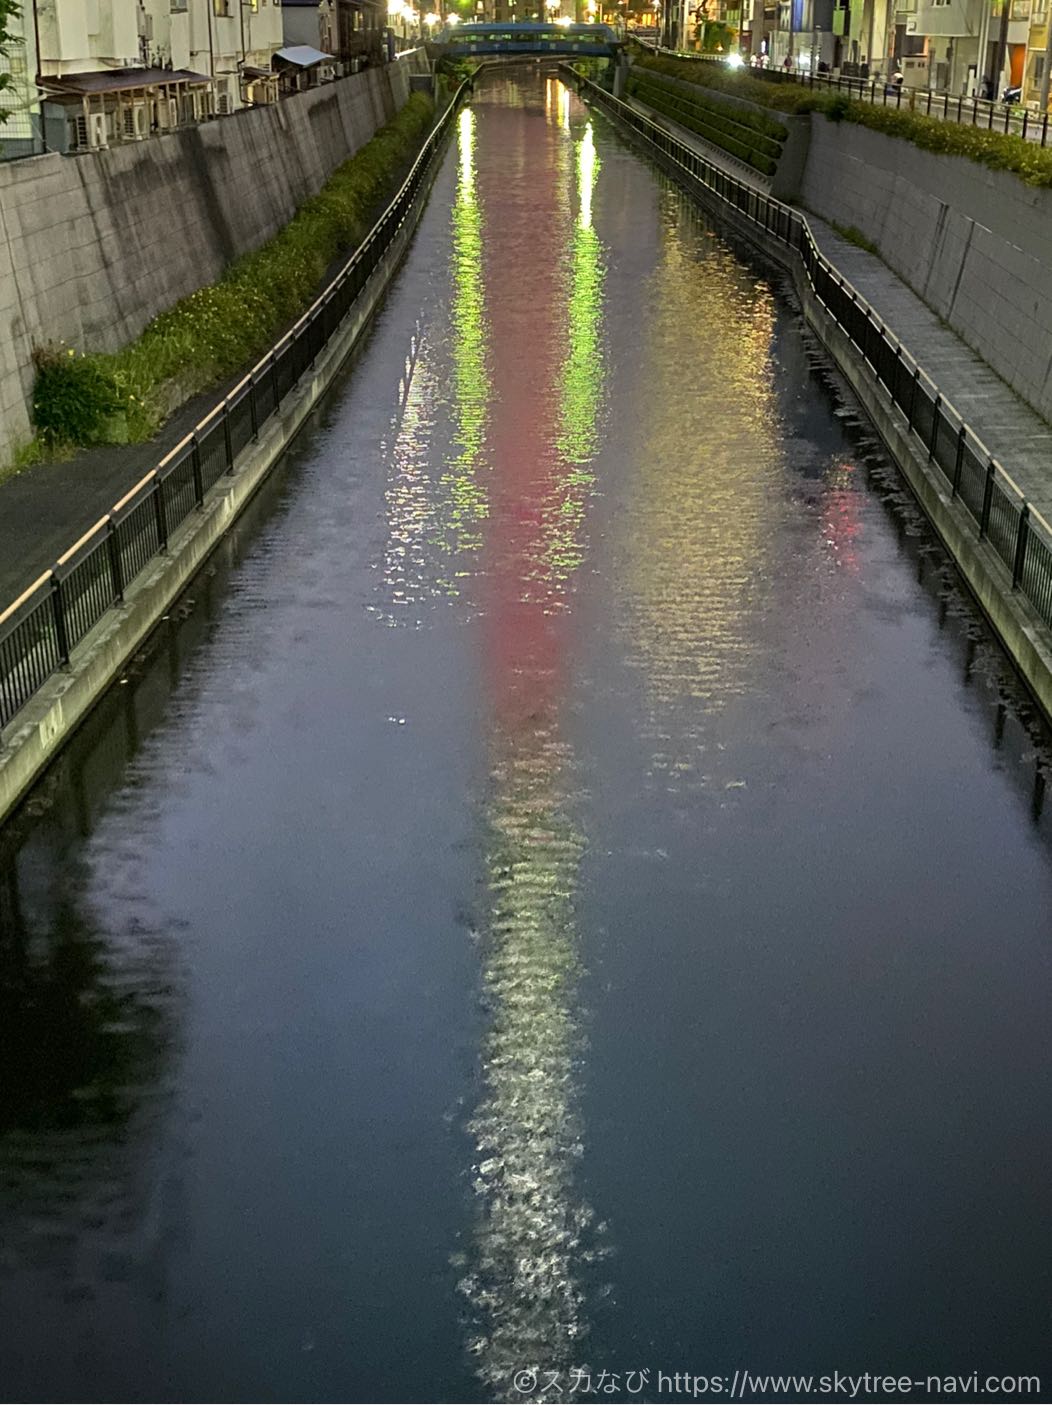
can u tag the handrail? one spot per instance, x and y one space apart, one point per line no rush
1018 532
55 612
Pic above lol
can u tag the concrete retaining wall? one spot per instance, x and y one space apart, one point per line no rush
975 244
92 247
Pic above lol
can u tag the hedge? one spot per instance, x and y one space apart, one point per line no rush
714 115
1000 151
740 142
96 398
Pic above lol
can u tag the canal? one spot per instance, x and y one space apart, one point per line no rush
567 890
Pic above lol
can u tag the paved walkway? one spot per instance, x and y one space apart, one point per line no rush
1015 435
46 508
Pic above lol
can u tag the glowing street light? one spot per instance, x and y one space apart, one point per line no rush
431 19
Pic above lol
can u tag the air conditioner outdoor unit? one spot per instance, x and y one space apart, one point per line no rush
97 135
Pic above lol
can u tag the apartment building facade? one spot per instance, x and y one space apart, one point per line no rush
87 73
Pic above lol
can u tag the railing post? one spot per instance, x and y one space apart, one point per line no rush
253 408
913 396
195 465
58 614
160 514
227 441
113 548
958 462
934 427
988 492
1020 545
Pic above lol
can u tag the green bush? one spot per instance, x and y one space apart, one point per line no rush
1001 152
715 127
86 399
74 400
738 83
722 118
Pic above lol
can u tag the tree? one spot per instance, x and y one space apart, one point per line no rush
9 10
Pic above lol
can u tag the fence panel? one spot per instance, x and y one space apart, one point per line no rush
923 413
1036 580
973 479
87 591
29 655
137 538
211 446
180 489
1003 525
947 436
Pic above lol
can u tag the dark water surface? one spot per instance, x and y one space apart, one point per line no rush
570 889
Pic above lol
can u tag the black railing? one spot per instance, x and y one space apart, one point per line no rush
44 625
998 510
1007 118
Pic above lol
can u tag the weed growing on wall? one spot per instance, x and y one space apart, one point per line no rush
105 398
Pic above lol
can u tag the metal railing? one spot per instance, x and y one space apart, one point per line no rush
997 508
39 631
988 116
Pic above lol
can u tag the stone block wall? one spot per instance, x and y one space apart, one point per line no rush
974 243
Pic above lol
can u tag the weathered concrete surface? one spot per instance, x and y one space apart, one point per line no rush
92 247
973 243
39 730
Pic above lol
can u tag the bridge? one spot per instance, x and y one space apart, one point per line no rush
530 39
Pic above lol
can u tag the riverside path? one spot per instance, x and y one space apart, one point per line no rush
566 893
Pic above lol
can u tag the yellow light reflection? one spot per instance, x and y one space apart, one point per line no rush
524 1282
698 525
408 577
471 386
583 370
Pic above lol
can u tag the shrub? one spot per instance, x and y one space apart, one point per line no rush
1001 152
219 328
714 126
998 150
75 400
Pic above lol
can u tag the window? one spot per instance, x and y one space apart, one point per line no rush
221 8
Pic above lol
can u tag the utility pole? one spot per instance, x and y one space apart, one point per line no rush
1002 48
756 32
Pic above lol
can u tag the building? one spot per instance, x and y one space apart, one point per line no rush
21 134
87 73
231 41
310 22
360 28
1038 55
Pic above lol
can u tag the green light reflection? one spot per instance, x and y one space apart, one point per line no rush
471 388
582 377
